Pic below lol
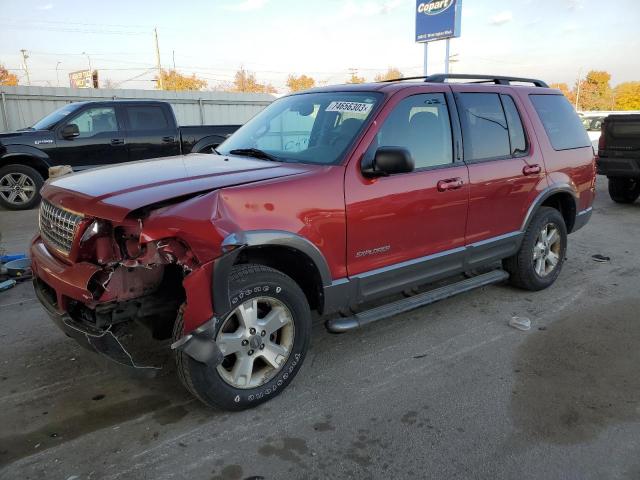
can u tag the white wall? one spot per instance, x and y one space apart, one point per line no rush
23 106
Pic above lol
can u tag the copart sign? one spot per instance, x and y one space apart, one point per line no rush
437 19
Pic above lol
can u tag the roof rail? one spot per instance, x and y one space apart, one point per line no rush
497 79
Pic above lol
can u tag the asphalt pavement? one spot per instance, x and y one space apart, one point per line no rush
447 391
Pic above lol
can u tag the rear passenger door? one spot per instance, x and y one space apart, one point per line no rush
505 166
151 133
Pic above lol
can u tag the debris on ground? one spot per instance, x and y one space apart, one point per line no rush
520 323
601 258
7 284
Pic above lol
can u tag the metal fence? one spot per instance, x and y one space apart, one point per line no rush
23 106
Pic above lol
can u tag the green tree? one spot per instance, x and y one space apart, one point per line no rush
627 96
7 79
391 74
245 81
172 80
302 82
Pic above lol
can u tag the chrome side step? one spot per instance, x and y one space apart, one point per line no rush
344 324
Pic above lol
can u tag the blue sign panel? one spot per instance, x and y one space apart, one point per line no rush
437 19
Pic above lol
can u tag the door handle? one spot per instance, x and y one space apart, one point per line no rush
168 139
450 184
117 141
531 169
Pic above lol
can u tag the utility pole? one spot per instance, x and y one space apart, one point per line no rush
173 55
90 69
453 59
24 65
57 76
160 81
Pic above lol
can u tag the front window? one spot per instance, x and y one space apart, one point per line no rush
307 128
94 121
54 117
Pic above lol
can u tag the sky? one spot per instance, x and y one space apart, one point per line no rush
553 40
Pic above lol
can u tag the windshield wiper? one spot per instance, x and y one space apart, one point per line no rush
256 153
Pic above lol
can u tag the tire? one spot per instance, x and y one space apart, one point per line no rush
525 266
624 190
268 288
19 187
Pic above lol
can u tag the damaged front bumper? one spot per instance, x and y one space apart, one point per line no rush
200 344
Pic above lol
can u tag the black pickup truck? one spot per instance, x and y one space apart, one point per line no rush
90 134
619 156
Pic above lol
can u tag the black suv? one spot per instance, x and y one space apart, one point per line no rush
619 156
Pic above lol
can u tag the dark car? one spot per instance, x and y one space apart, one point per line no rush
619 156
324 201
90 134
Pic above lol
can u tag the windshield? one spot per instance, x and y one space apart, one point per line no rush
54 117
307 128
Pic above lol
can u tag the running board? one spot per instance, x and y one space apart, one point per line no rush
344 324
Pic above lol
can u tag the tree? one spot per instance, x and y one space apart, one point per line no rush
108 83
594 91
302 82
7 79
172 80
356 79
392 73
564 88
245 81
627 96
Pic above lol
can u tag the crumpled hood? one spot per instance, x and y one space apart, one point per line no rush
113 192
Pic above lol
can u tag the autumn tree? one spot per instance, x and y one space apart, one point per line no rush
564 88
302 82
392 73
594 92
627 96
245 81
7 79
172 80
356 79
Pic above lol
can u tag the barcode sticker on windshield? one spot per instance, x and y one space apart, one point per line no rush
349 107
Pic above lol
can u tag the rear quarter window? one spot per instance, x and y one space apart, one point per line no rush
560 121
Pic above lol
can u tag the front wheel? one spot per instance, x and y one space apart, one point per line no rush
19 187
624 190
264 340
541 256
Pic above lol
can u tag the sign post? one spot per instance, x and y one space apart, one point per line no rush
437 20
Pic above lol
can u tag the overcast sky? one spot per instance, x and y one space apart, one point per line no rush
549 39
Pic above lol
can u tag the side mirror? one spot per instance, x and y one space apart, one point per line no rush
388 161
70 131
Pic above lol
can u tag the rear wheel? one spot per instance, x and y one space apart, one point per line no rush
539 260
264 340
624 190
19 187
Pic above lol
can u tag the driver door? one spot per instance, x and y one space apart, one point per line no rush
409 228
101 140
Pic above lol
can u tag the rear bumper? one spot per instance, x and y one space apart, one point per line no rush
618 167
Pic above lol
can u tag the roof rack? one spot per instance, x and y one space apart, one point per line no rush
498 80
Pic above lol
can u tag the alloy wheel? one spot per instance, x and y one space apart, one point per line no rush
547 249
17 188
256 340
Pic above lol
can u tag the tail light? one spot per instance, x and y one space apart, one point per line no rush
601 140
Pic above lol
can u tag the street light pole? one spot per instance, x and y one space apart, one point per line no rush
90 69
57 76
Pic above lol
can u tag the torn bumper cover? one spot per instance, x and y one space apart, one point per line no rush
200 344
102 341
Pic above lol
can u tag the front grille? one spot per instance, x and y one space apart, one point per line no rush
58 226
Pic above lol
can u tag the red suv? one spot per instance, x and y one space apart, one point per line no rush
324 201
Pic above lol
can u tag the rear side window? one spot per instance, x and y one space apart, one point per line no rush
147 118
560 121
484 126
517 137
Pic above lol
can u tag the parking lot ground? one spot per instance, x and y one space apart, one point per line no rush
446 391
